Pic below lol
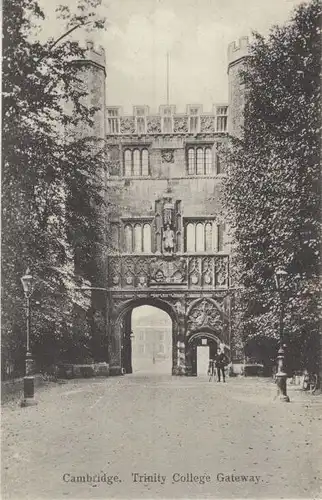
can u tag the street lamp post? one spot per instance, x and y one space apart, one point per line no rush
281 376
28 383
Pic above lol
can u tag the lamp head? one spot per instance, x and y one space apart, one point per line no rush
280 278
27 283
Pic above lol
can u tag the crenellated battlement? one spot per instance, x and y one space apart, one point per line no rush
238 50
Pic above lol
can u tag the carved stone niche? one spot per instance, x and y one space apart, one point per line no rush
168 225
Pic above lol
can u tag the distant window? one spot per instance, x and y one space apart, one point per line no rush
190 238
208 161
217 160
137 237
128 239
191 161
140 111
200 237
136 162
199 160
194 120
220 238
128 163
140 125
145 162
167 125
221 118
204 236
113 121
208 237
140 118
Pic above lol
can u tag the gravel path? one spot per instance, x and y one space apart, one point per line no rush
182 437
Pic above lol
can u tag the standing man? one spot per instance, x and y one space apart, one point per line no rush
220 362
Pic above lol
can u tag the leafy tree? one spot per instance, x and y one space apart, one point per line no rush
52 192
272 191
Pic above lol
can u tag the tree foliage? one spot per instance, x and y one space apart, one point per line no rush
272 191
51 189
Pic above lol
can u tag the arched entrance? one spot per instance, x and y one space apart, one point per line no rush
151 340
199 342
122 335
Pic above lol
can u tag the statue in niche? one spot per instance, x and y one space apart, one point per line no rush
168 240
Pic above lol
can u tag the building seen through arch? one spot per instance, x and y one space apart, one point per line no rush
151 340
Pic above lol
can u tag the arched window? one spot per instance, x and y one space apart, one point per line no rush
128 163
200 238
128 238
208 162
190 243
200 167
220 237
137 238
218 166
208 231
147 238
136 162
191 161
145 162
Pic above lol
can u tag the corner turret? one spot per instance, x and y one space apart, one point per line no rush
237 57
93 73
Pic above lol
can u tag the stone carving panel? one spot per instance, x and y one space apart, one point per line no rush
194 271
127 125
180 124
204 315
141 272
154 125
165 271
128 271
207 266
114 271
205 272
221 272
207 124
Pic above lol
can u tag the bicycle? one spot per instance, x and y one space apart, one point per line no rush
310 382
211 371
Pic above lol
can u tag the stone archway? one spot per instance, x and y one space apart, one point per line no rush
196 339
205 319
120 334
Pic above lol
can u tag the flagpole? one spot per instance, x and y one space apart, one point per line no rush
167 78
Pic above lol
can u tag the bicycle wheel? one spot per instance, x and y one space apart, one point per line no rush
313 383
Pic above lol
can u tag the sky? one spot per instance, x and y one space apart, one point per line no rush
195 33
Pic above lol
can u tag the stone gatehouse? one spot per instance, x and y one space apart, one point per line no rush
168 240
